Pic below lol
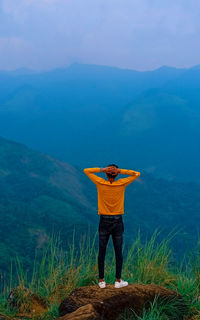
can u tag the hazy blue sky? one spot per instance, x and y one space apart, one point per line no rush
136 34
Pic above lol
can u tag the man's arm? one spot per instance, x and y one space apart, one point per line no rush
133 176
90 173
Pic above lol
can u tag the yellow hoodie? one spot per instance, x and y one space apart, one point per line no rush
111 195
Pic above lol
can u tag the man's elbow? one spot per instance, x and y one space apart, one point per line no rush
137 173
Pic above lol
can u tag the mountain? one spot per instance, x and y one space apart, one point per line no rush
40 195
92 115
164 128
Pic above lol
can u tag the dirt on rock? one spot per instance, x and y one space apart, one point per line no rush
110 302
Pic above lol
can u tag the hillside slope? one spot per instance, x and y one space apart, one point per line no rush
40 195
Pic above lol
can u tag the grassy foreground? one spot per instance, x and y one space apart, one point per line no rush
59 272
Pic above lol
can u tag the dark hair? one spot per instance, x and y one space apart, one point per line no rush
113 165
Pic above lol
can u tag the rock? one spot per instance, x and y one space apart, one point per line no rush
4 317
25 302
86 312
92 302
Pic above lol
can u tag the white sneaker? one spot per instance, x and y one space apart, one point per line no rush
121 284
102 284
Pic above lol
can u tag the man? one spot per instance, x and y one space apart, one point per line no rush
110 209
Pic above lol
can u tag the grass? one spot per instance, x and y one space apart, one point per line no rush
58 272
157 310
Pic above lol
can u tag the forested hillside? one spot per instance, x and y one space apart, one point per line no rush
87 114
40 195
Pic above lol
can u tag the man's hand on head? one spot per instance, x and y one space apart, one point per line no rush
114 170
107 170
111 170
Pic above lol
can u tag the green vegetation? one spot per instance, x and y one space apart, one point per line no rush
59 271
158 310
40 195
37 197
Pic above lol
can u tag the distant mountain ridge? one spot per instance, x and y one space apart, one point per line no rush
91 115
27 70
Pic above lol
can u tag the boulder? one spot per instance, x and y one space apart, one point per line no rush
4 317
92 302
86 312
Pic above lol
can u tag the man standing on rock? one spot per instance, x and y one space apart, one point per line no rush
110 209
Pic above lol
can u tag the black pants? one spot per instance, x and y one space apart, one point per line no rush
107 227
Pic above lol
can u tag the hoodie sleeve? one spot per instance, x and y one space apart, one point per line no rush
133 176
90 173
